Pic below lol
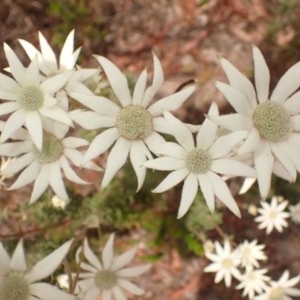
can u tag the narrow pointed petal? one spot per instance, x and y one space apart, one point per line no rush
18 261
280 171
101 105
287 85
208 131
207 191
116 79
130 287
6 95
292 153
18 164
292 104
48 54
236 98
108 252
100 144
106 295
4 261
14 122
123 259
116 159
83 74
137 158
65 59
247 184
158 78
9 84
73 142
34 126
251 143
27 176
16 67
85 266
189 191
118 293
92 294
139 88
56 182
90 256
8 107
57 114
33 72
262 75
15 149
161 125
295 120
50 101
284 159
49 264
154 141
69 172
232 122
47 291
239 81
53 84
171 180
165 163
134 271
173 150
171 102
224 144
264 160
41 183
223 192
232 167
183 136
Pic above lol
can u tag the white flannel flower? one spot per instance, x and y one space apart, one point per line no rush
44 167
281 289
250 253
272 215
133 126
30 98
253 281
295 213
273 122
225 263
18 283
109 277
199 165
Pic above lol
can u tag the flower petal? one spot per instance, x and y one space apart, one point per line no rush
207 191
66 61
116 79
139 88
49 264
130 287
56 182
134 271
15 148
232 122
154 141
108 252
8 84
73 142
189 191
228 166
18 261
292 104
41 183
172 149
123 259
48 54
251 143
161 125
8 107
92 294
33 73
33 124
90 256
57 114
165 163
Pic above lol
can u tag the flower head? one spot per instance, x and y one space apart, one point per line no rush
225 263
16 282
272 123
272 215
109 277
199 165
295 213
133 127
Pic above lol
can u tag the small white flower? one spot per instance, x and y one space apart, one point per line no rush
272 215
58 202
281 289
133 126
109 277
250 253
272 122
225 263
199 165
253 281
18 283
30 98
44 167
295 213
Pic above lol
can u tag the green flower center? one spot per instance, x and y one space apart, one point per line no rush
198 161
31 98
272 121
134 122
105 279
14 287
52 149
277 293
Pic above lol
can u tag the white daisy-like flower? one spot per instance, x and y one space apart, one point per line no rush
109 277
273 123
18 283
295 213
281 289
250 253
225 263
133 126
30 98
44 167
273 215
253 281
199 165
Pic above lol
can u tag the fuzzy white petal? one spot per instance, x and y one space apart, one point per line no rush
139 88
41 183
232 167
15 148
69 172
65 59
123 259
46 291
90 256
134 271
154 141
232 122
207 191
56 182
173 150
33 73
48 54
251 143
33 124
91 120
9 84
165 163
18 261
130 287
6 95
108 252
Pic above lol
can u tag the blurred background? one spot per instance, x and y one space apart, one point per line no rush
188 36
